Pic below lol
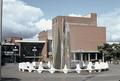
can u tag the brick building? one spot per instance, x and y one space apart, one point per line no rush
84 37
47 48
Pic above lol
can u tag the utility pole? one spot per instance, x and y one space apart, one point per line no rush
1 4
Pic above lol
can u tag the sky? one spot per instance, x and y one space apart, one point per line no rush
26 18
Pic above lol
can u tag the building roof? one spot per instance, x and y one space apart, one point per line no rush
26 41
3 43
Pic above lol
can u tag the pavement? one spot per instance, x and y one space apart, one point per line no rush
10 73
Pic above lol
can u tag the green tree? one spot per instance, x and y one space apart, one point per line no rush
107 50
111 51
116 51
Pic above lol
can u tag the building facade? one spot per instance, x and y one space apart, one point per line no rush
31 50
10 50
47 48
84 37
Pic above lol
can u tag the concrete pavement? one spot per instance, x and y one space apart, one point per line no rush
10 73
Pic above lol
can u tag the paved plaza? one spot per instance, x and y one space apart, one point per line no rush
10 73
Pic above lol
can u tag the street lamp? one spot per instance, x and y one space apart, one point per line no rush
34 50
15 50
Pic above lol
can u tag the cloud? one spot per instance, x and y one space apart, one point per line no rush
19 19
44 24
34 38
75 15
111 21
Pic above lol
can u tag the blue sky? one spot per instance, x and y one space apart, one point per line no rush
53 8
26 18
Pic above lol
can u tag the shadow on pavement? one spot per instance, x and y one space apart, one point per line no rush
10 79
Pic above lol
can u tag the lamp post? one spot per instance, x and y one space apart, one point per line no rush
15 50
24 57
1 8
34 50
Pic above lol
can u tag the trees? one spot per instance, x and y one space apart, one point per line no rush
107 50
111 51
116 51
